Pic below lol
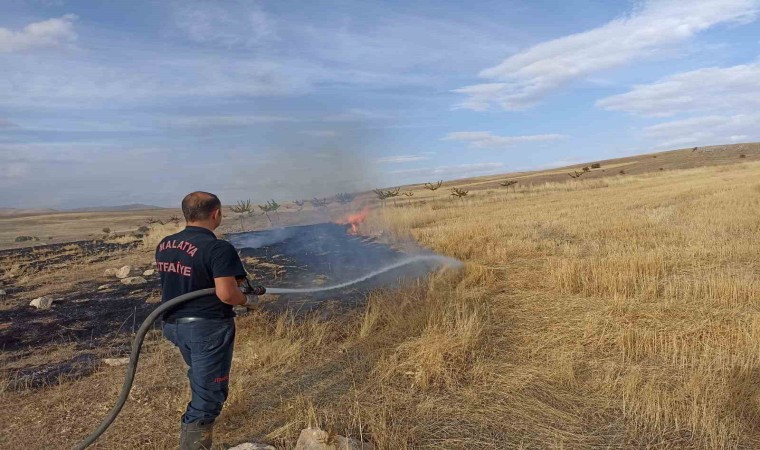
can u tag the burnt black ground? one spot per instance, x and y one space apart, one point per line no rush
100 323
322 255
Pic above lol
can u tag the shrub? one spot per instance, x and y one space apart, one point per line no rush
622 172
596 166
106 230
742 155
25 238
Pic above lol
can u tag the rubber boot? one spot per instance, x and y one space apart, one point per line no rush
194 436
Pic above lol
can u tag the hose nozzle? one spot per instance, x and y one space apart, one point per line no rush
248 289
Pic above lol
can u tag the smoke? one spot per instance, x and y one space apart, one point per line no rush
314 257
263 238
303 163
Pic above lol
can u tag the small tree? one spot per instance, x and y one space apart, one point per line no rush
299 204
509 183
319 203
271 206
344 198
409 195
384 195
432 186
175 219
459 193
243 207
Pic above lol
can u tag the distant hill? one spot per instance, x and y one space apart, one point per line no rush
687 158
21 212
130 207
18 212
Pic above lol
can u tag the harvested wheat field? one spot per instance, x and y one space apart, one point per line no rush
613 312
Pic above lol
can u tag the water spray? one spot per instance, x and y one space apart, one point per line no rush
153 316
442 260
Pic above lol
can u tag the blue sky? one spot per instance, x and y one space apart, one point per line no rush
105 103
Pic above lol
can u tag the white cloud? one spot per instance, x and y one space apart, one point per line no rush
460 170
707 130
223 121
402 159
486 139
523 79
229 24
49 33
734 89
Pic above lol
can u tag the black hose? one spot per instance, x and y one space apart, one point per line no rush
133 357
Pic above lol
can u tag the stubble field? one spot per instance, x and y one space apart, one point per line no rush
620 311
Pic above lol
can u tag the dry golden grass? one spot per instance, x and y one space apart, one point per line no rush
157 232
619 312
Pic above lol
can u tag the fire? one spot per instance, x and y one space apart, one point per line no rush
354 220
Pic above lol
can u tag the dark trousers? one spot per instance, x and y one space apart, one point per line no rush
206 347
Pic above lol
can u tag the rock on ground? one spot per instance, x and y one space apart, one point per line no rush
103 286
316 439
252 446
123 272
110 272
149 272
42 302
3 294
116 361
134 280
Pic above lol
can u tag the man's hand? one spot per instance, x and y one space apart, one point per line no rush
228 291
251 293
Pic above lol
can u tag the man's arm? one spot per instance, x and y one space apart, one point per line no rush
226 268
228 291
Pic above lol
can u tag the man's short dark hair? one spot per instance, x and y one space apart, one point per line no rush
199 205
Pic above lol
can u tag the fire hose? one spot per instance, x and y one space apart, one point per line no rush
247 288
135 355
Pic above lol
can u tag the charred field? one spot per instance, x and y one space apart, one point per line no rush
95 317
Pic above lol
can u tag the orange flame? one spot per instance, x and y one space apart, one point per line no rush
354 220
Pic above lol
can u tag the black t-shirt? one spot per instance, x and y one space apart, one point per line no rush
189 261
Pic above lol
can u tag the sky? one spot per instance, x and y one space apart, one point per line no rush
108 103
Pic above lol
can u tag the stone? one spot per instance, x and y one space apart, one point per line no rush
116 361
316 439
123 272
252 446
345 443
110 272
42 302
149 272
103 286
3 294
134 280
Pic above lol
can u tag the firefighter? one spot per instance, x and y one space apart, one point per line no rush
203 329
